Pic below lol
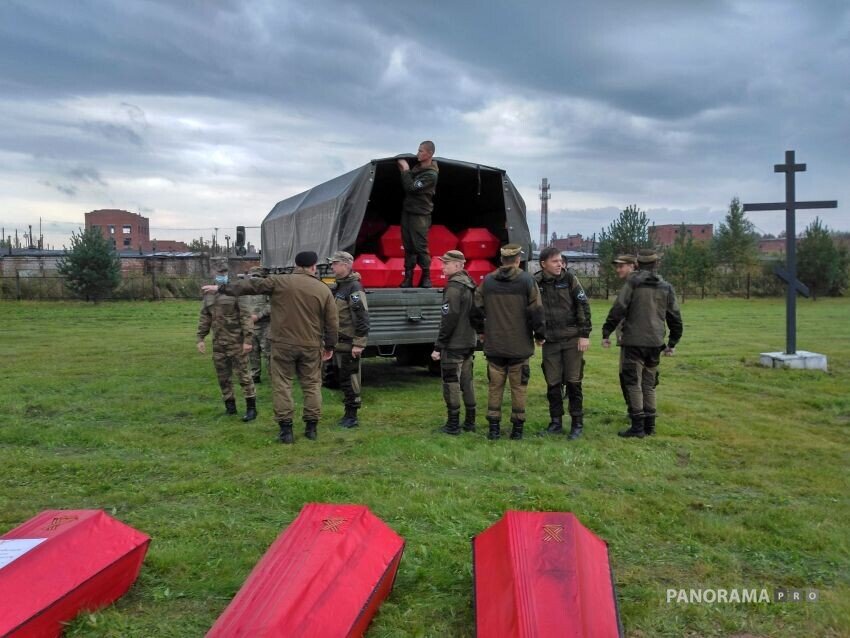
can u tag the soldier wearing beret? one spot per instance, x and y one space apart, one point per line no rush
230 321
456 341
419 184
353 313
567 339
509 317
646 304
303 333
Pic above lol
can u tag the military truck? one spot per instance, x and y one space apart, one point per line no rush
332 216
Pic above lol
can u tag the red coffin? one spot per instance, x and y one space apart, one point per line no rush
395 272
478 243
324 576
478 269
391 245
440 240
543 574
373 272
85 561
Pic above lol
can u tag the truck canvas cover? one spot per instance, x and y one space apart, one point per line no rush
329 217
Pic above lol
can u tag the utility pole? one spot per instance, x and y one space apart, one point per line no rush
544 213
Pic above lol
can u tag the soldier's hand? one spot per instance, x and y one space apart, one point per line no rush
403 165
202 347
209 289
435 356
247 347
606 343
327 354
254 318
669 352
540 342
356 351
583 344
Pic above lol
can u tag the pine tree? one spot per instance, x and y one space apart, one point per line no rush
736 243
687 262
625 235
821 265
91 268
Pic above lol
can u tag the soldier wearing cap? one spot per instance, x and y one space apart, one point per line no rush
353 313
624 265
230 321
260 315
509 315
646 304
567 339
303 333
456 341
419 184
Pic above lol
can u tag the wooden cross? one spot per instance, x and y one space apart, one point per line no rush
789 274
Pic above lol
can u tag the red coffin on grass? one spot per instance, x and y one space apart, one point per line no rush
63 562
325 576
373 272
543 574
478 243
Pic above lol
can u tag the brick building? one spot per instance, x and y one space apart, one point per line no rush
574 243
125 230
665 235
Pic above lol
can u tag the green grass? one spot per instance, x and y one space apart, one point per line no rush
110 406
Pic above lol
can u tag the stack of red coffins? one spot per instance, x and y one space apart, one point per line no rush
391 244
373 272
543 574
324 576
62 562
478 269
478 243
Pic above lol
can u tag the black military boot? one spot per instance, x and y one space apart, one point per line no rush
407 282
649 423
285 435
555 426
469 421
636 429
516 430
452 425
425 282
349 420
310 430
576 427
230 406
495 429
250 409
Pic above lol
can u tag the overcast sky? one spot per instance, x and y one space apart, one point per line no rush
206 113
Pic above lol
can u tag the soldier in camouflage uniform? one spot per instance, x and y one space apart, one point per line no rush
230 321
260 315
456 341
624 265
646 303
353 313
567 339
419 184
509 313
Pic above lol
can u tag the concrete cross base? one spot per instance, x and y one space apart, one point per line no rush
800 360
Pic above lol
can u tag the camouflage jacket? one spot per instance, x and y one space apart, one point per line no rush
353 312
509 313
258 305
565 305
456 332
645 304
230 321
419 184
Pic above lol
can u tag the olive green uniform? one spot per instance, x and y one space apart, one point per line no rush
353 311
260 353
645 304
419 184
230 321
510 315
303 320
456 343
567 314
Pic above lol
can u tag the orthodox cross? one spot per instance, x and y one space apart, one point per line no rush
789 274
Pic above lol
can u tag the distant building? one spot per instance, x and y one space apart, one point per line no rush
574 243
665 235
168 246
772 246
123 229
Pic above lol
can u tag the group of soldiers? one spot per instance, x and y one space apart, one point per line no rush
309 323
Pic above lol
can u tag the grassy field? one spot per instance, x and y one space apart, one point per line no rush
746 485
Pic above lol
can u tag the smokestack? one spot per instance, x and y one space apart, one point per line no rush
544 213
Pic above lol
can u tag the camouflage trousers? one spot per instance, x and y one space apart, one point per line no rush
349 376
228 362
287 363
414 237
260 353
513 371
456 372
563 369
640 378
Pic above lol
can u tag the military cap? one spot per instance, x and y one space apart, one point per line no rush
342 256
625 259
220 265
306 259
511 250
453 255
647 256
